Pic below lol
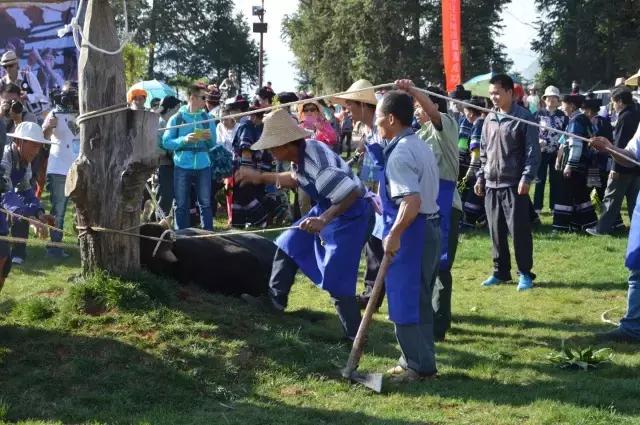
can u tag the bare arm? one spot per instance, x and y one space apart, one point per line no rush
430 108
602 144
250 175
338 209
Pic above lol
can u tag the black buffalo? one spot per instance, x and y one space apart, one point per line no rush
226 264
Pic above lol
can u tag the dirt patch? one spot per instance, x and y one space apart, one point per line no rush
295 391
149 335
51 293
94 308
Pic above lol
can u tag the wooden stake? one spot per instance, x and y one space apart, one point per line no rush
117 153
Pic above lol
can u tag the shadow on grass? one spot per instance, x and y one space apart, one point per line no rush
54 376
593 286
570 387
524 324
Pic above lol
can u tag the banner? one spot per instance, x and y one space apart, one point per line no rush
451 33
31 30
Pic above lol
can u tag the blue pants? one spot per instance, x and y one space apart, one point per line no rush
55 186
201 180
630 323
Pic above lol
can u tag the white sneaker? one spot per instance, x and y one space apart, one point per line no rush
17 261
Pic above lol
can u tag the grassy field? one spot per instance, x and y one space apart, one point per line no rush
147 351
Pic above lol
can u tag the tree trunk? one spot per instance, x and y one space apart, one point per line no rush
153 39
117 154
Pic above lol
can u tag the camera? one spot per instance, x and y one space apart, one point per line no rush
65 100
16 107
13 106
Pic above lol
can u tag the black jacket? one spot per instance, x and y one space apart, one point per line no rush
626 127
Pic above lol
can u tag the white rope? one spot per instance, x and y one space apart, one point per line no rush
522 120
81 41
101 112
487 110
155 250
605 319
282 105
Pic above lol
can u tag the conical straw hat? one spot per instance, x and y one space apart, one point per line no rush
279 129
364 96
634 80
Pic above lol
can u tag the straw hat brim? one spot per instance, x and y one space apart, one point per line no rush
363 97
43 141
279 129
633 81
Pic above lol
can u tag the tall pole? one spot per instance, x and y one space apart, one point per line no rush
261 59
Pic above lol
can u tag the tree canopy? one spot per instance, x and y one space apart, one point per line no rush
193 38
591 41
336 43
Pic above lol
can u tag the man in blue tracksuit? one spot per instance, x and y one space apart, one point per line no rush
191 145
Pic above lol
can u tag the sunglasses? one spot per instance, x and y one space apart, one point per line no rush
312 109
9 66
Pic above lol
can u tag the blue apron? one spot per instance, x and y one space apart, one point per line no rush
445 203
17 174
332 259
632 261
404 276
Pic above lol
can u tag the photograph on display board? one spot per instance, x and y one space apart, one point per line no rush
31 30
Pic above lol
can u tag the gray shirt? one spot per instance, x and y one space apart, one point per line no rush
412 169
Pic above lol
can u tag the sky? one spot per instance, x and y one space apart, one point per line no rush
518 19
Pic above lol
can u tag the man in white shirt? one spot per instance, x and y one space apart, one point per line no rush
60 127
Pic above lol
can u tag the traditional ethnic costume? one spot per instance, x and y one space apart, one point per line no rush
573 209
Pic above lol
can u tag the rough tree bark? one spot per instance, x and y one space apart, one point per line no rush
117 153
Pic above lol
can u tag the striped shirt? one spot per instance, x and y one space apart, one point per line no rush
332 178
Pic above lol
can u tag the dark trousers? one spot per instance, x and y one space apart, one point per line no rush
345 140
573 209
441 297
623 186
473 205
416 341
508 213
373 252
547 168
19 229
282 278
165 189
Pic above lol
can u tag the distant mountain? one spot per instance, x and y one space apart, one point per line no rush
530 72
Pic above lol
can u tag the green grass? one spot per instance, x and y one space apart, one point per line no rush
146 351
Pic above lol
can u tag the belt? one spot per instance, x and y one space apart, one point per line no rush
433 216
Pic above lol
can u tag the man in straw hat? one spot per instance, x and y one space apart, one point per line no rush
362 104
28 83
327 242
19 196
408 191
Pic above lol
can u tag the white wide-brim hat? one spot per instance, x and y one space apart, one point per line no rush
30 131
634 80
364 96
8 58
279 129
551 91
